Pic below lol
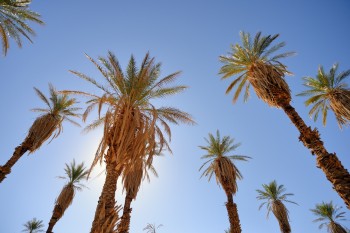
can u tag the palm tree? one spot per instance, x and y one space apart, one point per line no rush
151 228
60 108
74 174
327 213
131 179
252 63
328 91
13 17
33 226
274 196
133 126
226 173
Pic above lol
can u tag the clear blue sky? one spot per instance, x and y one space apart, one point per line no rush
187 36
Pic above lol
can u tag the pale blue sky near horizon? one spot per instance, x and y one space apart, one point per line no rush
187 36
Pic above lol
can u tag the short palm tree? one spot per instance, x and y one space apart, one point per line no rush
328 91
273 196
133 126
151 228
13 17
226 172
254 66
328 214
74 174
33 226
132 179
59 108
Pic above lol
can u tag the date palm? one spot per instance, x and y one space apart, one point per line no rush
131 180
328 214
273 196
74 174
254 66
133 126
226 173
60 107
328 91
33 226
151 228
14 15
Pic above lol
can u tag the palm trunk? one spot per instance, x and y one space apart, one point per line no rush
235 226
106 201
124 224
328 162
56 215
6 169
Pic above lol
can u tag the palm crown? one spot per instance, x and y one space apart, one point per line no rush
33 226
128 99
59 108
328 91
328 214
271 193
220 161
13 17
253 65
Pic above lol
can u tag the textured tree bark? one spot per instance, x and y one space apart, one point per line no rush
281 213
328 162
235 225
17 154
106 200
57 214
124 224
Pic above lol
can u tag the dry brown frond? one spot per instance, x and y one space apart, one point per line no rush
66 197
226 174
281 213
132 178
41 130
269 84
340 104
111 221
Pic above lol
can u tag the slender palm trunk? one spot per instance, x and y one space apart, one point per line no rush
328 162
235 225
337 228
106 201
124 224
56 215
19 151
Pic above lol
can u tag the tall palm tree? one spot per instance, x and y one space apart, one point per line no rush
328 91
74 174
131 179
252 63
328 214
274 196
60 107
226 172
151 228
13 17
33 226
133 126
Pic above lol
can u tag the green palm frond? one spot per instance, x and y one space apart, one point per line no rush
33 226
328 91
249 53
328 214
13 17
220 161
271 193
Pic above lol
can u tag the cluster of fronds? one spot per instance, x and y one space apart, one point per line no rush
327 90
251 61
13 17
111 220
